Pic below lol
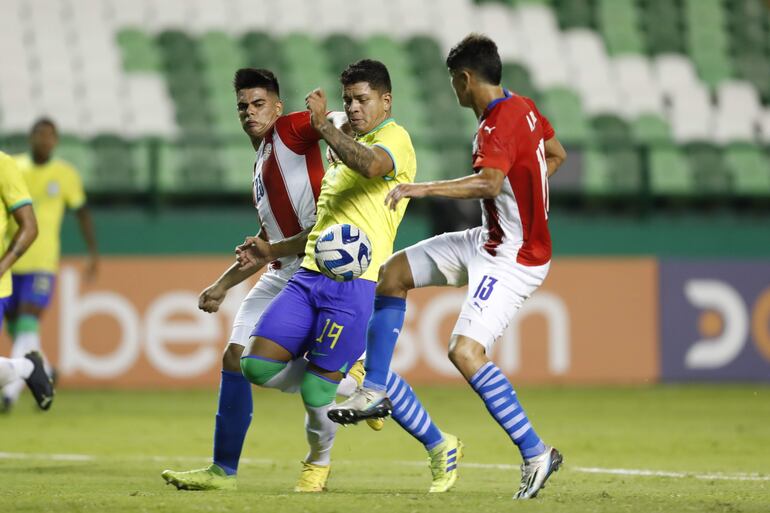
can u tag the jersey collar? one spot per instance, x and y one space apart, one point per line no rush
494 102
384 122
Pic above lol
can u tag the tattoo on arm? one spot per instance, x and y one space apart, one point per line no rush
354 154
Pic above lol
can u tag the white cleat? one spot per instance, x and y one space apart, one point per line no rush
363 404
536 471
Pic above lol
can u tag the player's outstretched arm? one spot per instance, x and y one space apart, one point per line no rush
555 155
89 236
256 251
24 237
370 162
487 183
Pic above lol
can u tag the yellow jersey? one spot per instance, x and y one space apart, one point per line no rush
14 194
348 198
53 186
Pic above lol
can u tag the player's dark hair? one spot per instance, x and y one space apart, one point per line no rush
367 70
477 53
40 122
249 78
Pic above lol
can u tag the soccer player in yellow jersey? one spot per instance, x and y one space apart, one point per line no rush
315 315
17 205
54 186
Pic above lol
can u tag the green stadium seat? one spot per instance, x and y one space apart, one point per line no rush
342 50
749 168
416 227
574 13
619 23
596 173
611 130
670 174
78 153
238 165
190 167
650 129
263 51
662 22
221 52
611 173
306 69
429 164
516 77
708 168
114 169
139 50
14 143
563 109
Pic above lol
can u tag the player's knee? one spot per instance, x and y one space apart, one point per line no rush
394 277
466 354
260 371
317 391
231 358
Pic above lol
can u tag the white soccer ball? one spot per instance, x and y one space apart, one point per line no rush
343 252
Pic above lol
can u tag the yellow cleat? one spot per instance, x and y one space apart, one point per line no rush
443 460
313 478
209 478
358 373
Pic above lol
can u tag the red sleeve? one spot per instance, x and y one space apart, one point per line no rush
548 131
296 131
491 151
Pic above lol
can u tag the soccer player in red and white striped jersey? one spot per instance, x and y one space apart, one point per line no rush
286 182
503 261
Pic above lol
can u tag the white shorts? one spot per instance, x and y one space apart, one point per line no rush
253 305
497 285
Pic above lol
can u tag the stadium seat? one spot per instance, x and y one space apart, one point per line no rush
611 130
670 174
749 169
563 109
620 25
708 169
78 153
114 169
650 129
238 165
139 51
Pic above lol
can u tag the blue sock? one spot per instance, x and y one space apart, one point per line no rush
233 419
384 328
500 398
410 414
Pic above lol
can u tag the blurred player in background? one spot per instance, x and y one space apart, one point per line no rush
54 186
286 183
17 205
354 188
503 261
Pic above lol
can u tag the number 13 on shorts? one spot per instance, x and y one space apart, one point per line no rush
485 288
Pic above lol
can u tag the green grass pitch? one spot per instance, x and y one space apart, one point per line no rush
707 449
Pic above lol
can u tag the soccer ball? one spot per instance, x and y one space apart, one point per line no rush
343 252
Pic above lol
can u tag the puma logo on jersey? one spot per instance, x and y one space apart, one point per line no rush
489 129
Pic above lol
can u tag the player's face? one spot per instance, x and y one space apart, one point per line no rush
43 140
366 107
258 109
461 83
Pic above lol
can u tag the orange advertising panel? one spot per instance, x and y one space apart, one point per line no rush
593 321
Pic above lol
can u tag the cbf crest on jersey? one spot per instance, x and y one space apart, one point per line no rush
53 188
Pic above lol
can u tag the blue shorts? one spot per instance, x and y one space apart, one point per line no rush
321 317
33 288
3 308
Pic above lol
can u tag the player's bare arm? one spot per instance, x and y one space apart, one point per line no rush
255 251
212 296
370 162
24 237
555 155
89 236
485 184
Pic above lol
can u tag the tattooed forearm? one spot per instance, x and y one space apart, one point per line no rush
355 155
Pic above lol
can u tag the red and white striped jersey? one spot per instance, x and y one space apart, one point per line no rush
287 179
511 137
